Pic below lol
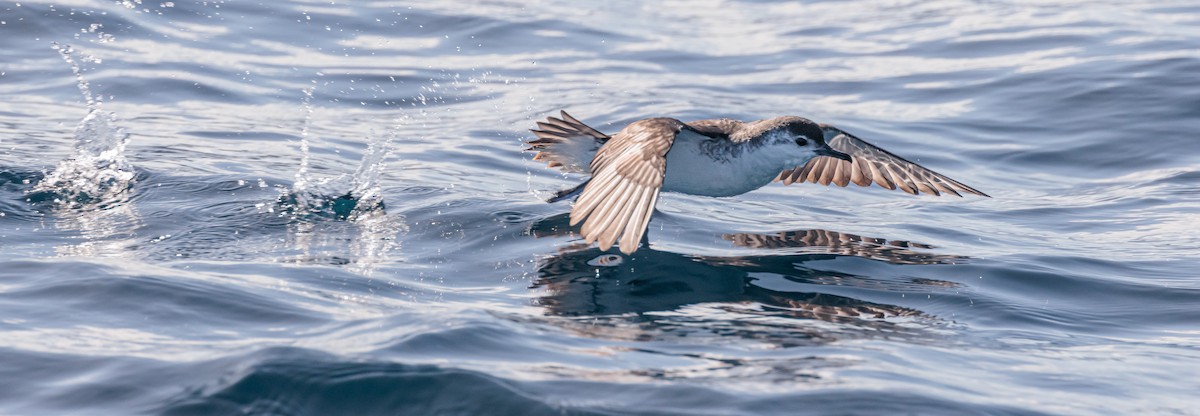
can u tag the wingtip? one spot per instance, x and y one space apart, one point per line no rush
603 247
974 191
567 117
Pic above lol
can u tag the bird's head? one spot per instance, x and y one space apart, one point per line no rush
811 137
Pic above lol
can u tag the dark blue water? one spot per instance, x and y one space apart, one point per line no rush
204 237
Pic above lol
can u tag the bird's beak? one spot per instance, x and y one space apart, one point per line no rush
828 151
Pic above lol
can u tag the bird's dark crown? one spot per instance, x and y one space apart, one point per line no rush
800 126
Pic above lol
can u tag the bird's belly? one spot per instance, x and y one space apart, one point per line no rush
690 171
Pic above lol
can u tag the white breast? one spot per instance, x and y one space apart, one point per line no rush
693 170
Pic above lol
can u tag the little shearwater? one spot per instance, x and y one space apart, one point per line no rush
720 157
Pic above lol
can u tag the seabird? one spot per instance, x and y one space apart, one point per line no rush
720 157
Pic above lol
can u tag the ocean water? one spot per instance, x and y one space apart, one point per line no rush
323 207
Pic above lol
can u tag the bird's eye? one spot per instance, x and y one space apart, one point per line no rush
800 141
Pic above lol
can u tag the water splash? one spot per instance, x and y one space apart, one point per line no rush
301 183
88 192
376 229
356 198
316 195
97 172
374 161
341 196
67 53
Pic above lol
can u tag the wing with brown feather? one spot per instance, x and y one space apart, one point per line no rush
872 164
627 175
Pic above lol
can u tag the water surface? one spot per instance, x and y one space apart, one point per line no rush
322 208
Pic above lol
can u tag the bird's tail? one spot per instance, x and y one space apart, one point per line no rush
566 143
568 193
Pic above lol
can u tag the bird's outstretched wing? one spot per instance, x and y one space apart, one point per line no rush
871 164
627 175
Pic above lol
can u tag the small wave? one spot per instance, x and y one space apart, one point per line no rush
307 383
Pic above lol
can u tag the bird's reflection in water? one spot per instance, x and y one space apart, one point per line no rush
651 294
843 244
